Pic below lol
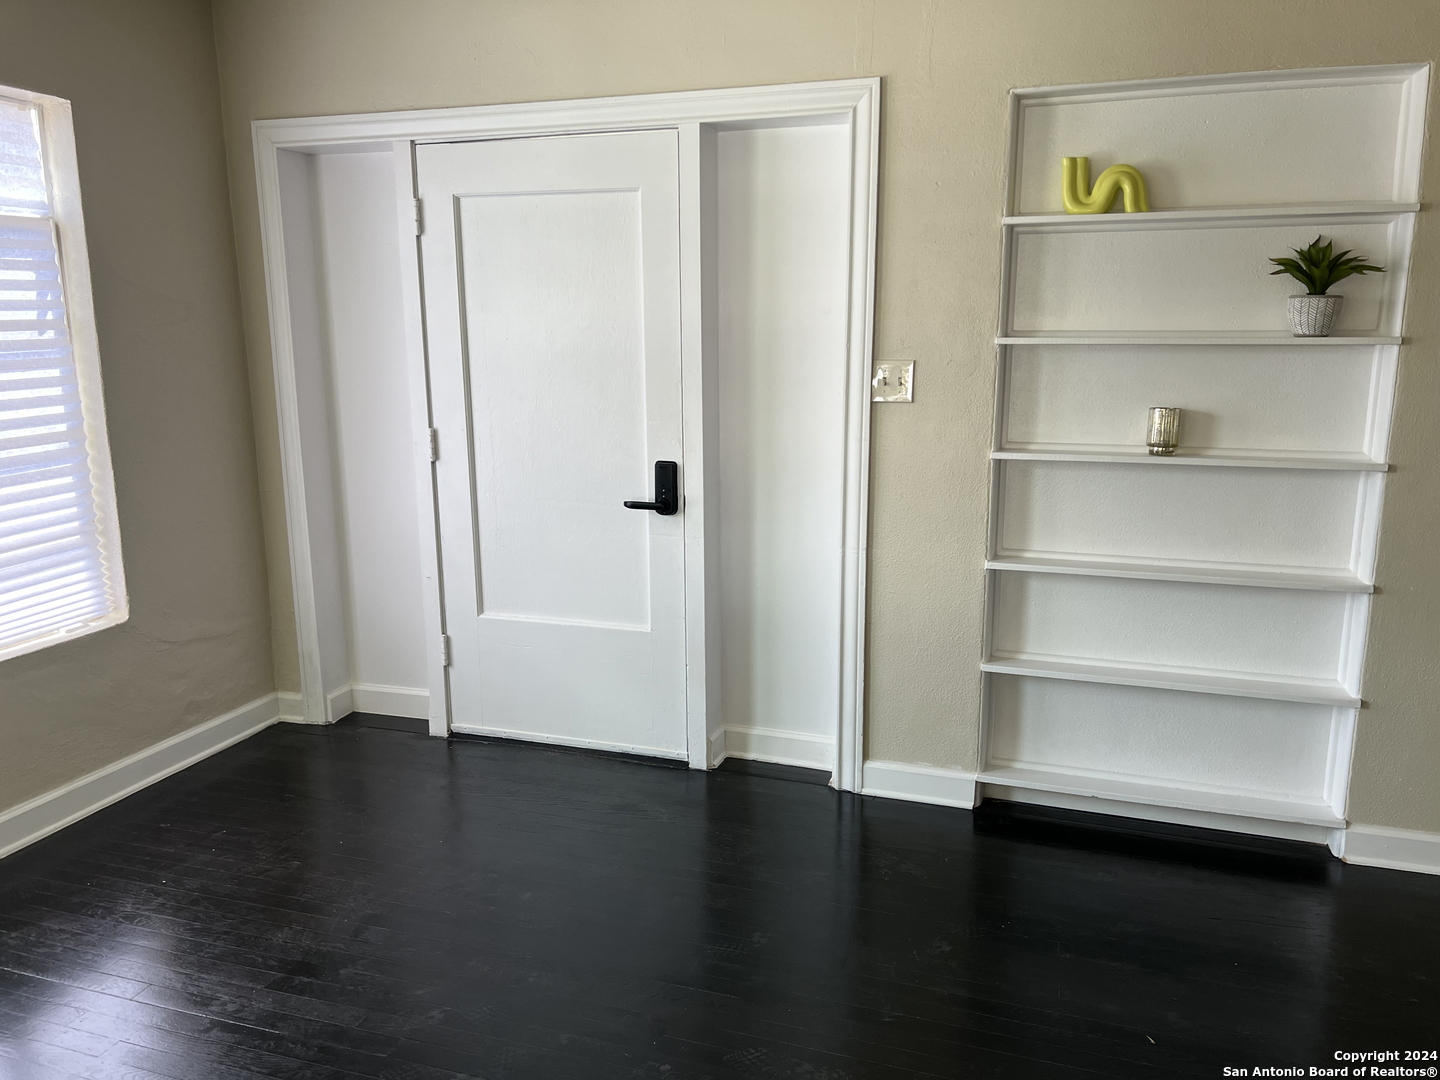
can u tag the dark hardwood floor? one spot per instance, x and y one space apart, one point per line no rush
364 901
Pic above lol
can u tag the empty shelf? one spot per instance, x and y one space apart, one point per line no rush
1201 573
1228 683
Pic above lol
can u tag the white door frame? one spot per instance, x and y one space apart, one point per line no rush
857 101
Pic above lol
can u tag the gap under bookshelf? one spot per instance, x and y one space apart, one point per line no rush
1177 796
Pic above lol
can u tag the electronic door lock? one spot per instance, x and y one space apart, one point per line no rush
667 491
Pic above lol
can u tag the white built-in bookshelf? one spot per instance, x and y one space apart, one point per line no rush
1182 638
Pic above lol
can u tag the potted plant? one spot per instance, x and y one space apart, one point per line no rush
1317 267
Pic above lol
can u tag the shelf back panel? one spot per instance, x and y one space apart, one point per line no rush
1267 142
1234 397
1223 628
1165 736
1084 280
1234 517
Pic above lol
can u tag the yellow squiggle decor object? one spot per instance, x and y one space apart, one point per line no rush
1079 199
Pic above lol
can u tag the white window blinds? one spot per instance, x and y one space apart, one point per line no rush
59 547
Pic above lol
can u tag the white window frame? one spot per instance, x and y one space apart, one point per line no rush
62 180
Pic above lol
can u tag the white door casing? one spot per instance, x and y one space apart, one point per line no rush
552 299
320 620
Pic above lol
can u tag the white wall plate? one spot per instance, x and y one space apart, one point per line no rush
894 380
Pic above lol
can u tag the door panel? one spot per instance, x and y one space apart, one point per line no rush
552 310
553 303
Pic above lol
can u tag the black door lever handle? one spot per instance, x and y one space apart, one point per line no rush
667 491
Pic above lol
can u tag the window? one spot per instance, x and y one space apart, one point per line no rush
60 571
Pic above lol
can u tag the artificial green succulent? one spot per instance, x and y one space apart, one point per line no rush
1317 267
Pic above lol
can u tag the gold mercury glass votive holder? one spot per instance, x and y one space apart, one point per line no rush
1164 433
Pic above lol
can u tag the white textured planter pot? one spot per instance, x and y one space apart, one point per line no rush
1313 316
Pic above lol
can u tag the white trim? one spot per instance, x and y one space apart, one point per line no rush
52 811
865 177
857 100
720 106
313 706
1398 849
292 707
422 423
412 702
920 783
717 748
700 494
780 747
339 703
1224 82
63 167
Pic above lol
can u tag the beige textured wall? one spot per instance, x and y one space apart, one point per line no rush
947 68
142 80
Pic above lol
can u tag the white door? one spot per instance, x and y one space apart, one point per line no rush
552 308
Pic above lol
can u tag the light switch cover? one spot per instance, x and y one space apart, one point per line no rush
894 380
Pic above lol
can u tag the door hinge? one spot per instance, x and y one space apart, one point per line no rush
434 445
444 650
419 220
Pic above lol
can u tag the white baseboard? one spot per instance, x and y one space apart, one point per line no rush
780 747
1368 845
918 783
39 817
339 704
292 707
406 701
1398 849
